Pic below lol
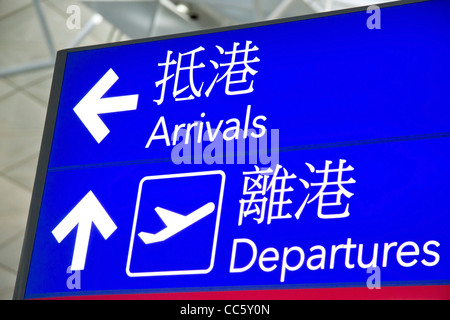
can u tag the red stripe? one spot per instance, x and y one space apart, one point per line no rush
441 292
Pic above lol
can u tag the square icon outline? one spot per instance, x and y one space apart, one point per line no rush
216 231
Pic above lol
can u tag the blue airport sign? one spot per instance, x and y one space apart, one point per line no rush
303 153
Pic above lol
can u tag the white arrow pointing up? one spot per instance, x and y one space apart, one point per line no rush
92 105
89 211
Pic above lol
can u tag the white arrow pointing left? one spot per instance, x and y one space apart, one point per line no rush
87 212
94 104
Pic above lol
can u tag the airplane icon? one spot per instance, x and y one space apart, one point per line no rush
175 223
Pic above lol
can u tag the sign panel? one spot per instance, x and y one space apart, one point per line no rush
295 154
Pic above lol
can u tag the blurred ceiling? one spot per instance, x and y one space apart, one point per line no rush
136 19
146 18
